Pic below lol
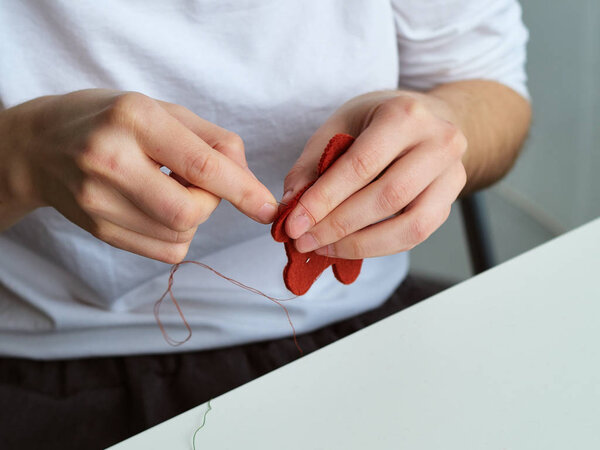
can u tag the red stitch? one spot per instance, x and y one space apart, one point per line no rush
303 269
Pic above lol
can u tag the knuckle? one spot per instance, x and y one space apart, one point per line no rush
87 196
184 217
103 232
231 141
98 159
415 110
113 162
407 107
130 108
340 227
246 197
394 197
454 140
357 249
319 196
91 153
364 166
419 229
202 166
182 237
132 101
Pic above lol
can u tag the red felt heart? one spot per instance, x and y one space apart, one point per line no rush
303 269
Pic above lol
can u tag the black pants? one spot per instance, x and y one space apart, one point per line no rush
95 403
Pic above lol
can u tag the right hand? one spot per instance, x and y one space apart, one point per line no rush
95 156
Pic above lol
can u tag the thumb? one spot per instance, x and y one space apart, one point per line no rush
304 170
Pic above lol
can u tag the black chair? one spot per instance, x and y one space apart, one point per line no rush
477 231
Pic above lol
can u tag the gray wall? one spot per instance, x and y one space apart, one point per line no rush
555 185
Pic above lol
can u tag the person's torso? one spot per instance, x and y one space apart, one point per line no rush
271 71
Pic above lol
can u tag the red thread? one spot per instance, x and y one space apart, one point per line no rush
169 291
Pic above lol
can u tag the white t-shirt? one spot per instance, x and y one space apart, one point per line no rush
272 71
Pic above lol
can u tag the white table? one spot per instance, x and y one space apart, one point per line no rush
509 359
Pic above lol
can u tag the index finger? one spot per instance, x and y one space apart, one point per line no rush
170 143
372 151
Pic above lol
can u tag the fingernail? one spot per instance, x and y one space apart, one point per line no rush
299 225
267 212
287 196
325 251
306 243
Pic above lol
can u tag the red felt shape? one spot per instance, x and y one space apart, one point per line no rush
303 269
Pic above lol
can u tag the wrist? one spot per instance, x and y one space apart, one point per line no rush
17 193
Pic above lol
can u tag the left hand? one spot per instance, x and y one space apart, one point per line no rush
394 186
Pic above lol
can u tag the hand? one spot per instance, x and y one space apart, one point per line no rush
391 189
95 156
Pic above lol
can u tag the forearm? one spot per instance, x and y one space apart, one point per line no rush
494 119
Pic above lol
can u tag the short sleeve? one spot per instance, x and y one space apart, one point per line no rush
441 41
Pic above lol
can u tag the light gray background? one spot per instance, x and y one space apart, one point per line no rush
555 185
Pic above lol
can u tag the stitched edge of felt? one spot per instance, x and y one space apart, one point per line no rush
337 146
299 281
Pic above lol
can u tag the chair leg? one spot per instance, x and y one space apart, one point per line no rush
477 232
